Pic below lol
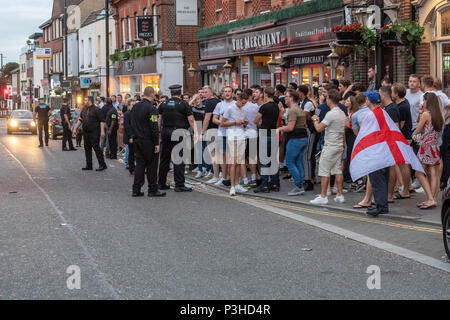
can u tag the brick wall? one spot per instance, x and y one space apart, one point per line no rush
423 59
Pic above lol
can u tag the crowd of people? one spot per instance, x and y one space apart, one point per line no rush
308 133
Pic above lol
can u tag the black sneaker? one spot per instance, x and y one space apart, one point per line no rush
226 183
65 149
284 169
101 168
287 177
40 146
275 188
261 190
86 168
164 187
137 194
157 194
73 149
183 189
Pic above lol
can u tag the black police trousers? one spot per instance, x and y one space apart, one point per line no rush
67 137
112 138
166 153
43 126
146 164
380 181
131 157
91 141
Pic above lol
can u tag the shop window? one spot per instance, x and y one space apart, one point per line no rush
445 23
446 65
125 85
151 81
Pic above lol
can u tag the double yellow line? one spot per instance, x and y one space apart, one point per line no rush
323 213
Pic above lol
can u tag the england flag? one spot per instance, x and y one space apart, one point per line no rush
380 144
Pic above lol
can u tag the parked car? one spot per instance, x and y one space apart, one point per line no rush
445 214
21 121
55 128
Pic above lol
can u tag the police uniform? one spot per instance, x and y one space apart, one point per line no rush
174 115
42 111
91 118
127 134
112 125
67 134
145 134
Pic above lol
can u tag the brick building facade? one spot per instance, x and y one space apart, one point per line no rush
168 55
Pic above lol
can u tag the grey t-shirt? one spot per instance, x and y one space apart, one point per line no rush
414 100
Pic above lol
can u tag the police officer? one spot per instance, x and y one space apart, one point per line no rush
66 123
175 114
42 111
93 128
127 136
112 124
145 139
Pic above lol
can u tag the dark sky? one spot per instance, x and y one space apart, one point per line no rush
19 20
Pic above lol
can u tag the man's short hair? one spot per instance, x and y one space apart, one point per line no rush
303 89
387 80
91 99
345 83
294 94
243 96
108 101
113 96
329 87
270 92
148 91
103 99
281 88
414 76
399 89
358 86
248 91
255 86
437 84
387 90
335 82
334 96
293 85
129 101
427 81
373 68
360 98
119 95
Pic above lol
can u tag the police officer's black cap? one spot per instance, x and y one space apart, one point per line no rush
175 87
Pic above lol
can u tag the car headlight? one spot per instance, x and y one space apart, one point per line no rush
13 123
33 124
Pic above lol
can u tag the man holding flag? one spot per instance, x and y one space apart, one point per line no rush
379 145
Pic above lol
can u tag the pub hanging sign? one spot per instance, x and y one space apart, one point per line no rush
145 27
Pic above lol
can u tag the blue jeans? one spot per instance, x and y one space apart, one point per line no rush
204 165
275 180
294 159
127 152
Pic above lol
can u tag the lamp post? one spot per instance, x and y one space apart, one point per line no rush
191 70
333 59
227 68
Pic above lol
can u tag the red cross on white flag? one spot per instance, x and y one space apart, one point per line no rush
380 144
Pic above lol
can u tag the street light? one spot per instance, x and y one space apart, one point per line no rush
272 64
333 59
191 70
227 67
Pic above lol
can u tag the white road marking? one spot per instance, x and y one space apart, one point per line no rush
69 227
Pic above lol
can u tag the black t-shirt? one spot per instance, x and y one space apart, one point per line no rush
210 105
405 115
64 110
104 111
42 111
91 118
111 116
269 112
174 113
393 112
143 122
199 113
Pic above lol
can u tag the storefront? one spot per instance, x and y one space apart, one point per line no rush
435 16
300 47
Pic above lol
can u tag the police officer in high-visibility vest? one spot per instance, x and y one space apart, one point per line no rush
144 135
174 114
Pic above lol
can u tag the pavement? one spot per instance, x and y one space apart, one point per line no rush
402 210
199 245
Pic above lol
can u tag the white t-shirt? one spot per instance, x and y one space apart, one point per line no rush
232 114
220 110
309 106
444 100
334 132
252 110
414 100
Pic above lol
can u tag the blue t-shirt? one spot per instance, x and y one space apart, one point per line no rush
359 116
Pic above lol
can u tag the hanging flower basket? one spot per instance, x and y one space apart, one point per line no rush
348 34
390 39
343 50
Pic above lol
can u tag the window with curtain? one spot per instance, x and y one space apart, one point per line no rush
445 22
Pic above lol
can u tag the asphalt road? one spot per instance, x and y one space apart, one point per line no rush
199 245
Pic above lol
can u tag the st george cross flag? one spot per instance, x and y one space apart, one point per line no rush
380 144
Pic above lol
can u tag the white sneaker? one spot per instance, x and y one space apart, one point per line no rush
208 175
296 191
232 191
213 180
328 192
339 199
415 184
219 182
196 170
319 200
334 190
240 189
220 174
198 175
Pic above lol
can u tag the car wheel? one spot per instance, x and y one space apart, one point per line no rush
446 232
